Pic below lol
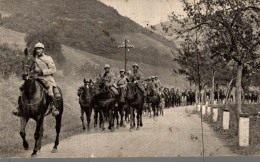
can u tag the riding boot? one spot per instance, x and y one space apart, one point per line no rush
54 111
17 112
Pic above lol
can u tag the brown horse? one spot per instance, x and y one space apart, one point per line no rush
86 101
119 109
135 100
34 104
153 98
104 103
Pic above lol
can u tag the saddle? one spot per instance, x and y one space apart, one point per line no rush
46 86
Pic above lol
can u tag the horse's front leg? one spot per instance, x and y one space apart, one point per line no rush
116 116
23 122
88 115
102 121
122 115
138 119
149 110
38 136
131 118
95 117
58 127
111 120
82 119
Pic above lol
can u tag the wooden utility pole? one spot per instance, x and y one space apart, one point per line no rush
126 47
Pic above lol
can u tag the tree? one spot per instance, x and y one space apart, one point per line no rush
49 37
232 25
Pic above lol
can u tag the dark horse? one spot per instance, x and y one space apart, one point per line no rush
121 106
135 101
35 105
153 98
104 103
86 101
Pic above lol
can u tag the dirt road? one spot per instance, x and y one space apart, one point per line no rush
175 134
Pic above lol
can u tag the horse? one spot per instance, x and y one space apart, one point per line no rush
86 101
135 101
34 105
104 103
154 98
167 97
120 108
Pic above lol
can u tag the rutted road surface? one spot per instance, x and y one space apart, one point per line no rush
177 133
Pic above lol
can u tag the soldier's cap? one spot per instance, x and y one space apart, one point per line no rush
152 77
135 65
156 76
122 70
107 66
39 45
129 72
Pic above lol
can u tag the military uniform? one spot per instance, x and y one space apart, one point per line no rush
109 80
46 64
121 83
138 77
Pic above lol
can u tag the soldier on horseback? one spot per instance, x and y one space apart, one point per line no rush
108 78
44 68
137 77
121 82
157 82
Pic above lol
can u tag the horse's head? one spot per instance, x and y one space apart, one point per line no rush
28 65
88 89
150 90
130 90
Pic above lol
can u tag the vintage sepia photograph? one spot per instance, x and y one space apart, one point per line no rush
129 78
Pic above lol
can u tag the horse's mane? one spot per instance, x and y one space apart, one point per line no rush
29 88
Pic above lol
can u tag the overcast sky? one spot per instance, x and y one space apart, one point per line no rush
146 11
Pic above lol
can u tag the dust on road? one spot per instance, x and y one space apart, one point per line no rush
177 133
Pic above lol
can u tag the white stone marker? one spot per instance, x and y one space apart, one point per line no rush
225 119
215 102
203 109
243 131
215 114
208 110
223 101
198 107
207 103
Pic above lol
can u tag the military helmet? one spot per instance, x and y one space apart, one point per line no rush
136 65
156 76
39 45
122 70
129 72
152 77
107 66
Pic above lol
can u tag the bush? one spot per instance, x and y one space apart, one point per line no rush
49 37
10 61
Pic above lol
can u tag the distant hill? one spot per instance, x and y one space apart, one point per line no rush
90 26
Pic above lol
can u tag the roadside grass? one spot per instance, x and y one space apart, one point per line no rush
230 136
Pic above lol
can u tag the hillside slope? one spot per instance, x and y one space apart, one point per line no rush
89 26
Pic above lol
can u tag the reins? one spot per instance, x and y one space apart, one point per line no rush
35 103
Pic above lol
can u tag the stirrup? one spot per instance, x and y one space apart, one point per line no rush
55 112
16 113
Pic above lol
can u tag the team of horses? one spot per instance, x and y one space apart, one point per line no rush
125 107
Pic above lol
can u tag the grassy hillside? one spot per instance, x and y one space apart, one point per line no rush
89 26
